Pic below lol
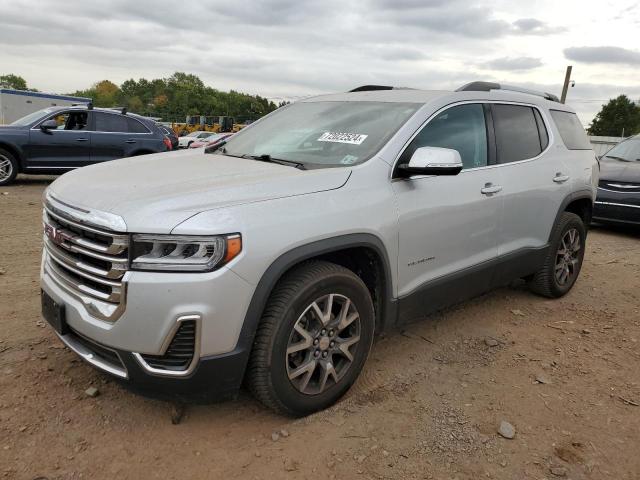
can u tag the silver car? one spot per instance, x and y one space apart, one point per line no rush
276 258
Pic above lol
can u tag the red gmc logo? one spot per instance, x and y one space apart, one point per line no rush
55 235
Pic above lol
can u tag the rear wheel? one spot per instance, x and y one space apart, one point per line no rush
8 167
313 339
564 260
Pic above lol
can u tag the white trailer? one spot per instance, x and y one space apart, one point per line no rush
15 104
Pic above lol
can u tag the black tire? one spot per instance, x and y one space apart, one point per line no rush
545 282
269 365
8 167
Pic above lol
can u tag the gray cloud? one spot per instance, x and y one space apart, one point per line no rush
533 26
513 63
603 55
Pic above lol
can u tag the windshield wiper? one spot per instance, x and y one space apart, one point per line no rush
268 158
618 158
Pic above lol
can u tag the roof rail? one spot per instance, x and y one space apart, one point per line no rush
488 86
122 110
369 88
89 105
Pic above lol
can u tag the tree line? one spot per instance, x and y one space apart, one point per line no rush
170 99
182 94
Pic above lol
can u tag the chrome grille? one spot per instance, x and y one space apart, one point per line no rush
87 261
624 187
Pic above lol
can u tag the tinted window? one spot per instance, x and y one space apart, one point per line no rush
135 126
571 131
517 135
460 128
106 122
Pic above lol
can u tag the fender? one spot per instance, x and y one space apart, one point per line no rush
17 152
283 263
579 195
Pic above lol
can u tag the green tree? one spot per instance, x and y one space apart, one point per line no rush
619 115
13 81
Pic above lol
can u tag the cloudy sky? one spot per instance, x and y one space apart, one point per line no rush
287 49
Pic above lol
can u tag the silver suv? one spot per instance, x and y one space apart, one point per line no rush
276 258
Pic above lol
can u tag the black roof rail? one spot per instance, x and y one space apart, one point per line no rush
369 88
488 86
88 105
122 110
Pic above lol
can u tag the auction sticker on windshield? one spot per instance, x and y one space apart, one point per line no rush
341 137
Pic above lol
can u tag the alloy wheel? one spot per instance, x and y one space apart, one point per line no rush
320 347
568 257
6 168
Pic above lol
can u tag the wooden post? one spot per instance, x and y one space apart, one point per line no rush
567 79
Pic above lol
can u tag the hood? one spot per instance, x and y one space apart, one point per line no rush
619 170
154 193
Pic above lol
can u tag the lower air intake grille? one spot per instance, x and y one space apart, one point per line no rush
181 350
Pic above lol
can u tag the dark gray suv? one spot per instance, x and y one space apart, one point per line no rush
58 139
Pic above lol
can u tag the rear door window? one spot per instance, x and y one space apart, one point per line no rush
517 134
107 122
571 130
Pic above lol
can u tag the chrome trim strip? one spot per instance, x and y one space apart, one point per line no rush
72 263
620 191
90 357
105 311
114 297
617 204
101 280
86 218
165 345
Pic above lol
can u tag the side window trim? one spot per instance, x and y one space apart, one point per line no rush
492 153
543 115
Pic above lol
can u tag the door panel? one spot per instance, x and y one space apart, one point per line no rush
536 177
58 148
448 224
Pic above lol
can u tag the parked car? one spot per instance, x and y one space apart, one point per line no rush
275 259
211 141
58 139
618 198
187 140
170 134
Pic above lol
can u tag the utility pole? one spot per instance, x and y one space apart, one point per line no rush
567 79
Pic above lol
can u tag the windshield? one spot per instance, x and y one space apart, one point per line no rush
32 117
193 134
323 133
628 151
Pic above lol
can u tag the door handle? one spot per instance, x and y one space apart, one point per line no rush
560 178
82 139
490 188
130 141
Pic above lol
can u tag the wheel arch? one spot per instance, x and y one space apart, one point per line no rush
16 152
580 203
338 250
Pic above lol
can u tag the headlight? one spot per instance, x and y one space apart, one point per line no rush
183 253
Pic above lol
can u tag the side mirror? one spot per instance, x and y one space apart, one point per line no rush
48 125
432 161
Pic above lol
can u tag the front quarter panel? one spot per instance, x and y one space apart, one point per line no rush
269 229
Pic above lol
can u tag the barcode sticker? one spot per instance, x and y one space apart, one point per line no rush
342 137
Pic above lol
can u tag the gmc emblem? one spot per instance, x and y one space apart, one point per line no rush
55 235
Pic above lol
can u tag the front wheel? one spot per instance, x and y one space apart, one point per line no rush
8 167
564 260
313 339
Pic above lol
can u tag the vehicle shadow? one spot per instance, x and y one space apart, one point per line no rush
28 180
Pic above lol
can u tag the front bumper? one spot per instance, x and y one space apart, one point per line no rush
155 305
215 377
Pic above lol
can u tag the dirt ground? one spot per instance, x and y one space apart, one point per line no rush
565 373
